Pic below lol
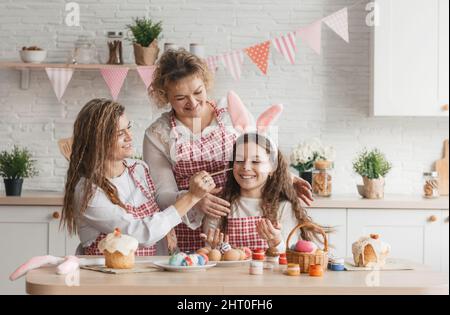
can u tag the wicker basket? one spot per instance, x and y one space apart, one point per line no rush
307 259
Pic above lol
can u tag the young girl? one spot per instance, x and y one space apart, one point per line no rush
106 189
264 205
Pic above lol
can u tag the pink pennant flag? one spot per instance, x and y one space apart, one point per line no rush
312 35
114 78
259 54
146 74
286 46
59 78
338 22
233 62
212 62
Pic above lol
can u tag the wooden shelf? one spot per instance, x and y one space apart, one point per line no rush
23 65
25 68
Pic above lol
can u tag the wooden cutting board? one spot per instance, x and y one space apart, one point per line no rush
442 169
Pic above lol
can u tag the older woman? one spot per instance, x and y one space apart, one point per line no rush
196 135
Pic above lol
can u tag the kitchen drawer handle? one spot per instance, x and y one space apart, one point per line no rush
433 218
56 215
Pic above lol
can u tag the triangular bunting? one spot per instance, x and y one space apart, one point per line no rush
312 35
286 46
338 22
212 63
259 54
233 62
59 78
114 78
146 74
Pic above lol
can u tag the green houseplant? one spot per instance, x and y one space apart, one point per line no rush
14 167
144 36
373 167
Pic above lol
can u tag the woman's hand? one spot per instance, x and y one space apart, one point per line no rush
201 184
303 189
269 232
214 206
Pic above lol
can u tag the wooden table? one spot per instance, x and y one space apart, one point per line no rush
237 281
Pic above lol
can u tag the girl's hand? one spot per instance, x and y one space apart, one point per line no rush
200 184
214 238
303 189
214 206
269 232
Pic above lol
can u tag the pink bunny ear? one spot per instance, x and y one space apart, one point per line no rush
33 263
268 117
239 114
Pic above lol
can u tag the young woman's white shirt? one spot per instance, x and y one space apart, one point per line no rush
102 216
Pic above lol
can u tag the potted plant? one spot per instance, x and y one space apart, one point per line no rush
144 36
14 167
373 167
305 154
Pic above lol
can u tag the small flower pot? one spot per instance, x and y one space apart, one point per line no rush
13 187
146 56
373 188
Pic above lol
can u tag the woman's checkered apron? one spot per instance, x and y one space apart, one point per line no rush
242 233
145 210
210 153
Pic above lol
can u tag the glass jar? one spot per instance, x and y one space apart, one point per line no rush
85 51
322 178
114 42
431 185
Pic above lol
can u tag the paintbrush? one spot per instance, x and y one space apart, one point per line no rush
222 171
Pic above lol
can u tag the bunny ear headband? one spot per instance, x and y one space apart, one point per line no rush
243 120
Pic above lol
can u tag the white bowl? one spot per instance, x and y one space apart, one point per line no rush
33 56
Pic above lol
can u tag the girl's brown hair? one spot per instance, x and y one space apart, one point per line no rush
94 136
278 187
173 66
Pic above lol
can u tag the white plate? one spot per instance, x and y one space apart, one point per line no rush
233 263
165 265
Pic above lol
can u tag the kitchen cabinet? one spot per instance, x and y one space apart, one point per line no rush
26 232
414 235
410 58
444 241
336 219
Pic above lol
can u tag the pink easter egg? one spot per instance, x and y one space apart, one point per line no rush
305 246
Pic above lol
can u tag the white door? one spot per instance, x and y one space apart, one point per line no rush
444 240
337 220
406 58
413 234
26 232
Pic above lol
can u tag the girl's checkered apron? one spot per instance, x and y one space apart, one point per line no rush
242 233
145 210
210 153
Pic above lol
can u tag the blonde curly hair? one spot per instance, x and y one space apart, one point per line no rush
173 66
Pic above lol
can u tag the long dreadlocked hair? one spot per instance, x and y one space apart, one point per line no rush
278 187
94 137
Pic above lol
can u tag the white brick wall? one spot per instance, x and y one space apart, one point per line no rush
324 96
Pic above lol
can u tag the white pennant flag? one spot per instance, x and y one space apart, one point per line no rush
286 46
233 62
59 78
338 22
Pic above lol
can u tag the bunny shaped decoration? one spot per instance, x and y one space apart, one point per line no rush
243 121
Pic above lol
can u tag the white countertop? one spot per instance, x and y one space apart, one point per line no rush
48 198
